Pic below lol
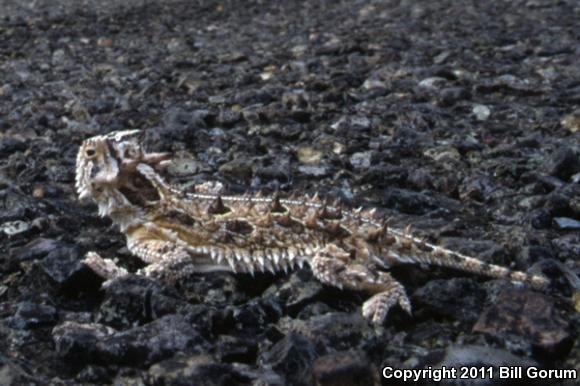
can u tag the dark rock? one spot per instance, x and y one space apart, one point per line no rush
510 84
351 127
557 204
361 160
295 292
432 83
65 268
253 115
60 174
228 118
63 263
456 299
178 118
33 315
530 315
409 202
217 289
183 370
209 321
485 250
15 205
548 182
295 100
383 175
252 97
273 172
314 170
235 349
151 343
129 377
534 253
568 246
180 125
291 131
350 368
13 374
11 145
36 249
420 178
334 330
239 168
477 188
291 357
541 219
255 315
314 309
563 164
135 300
77 342
94 374
477 357
451 95
95 343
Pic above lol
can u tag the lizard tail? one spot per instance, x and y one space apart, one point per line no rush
410 249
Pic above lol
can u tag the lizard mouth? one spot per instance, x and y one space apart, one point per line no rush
137 189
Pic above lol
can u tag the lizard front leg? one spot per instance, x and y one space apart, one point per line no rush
104 268
166 262
170 261
332 265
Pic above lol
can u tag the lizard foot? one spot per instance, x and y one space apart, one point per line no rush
377 307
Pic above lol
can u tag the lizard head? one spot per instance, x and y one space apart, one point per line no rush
101 160
107 173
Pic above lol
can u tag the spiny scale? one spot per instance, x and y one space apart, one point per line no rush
168 228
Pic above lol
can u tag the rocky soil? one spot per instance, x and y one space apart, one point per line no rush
459 118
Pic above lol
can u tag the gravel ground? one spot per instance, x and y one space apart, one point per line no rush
459 118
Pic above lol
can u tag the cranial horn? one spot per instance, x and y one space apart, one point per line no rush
155 158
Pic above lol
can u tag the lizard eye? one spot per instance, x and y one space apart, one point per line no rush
90 152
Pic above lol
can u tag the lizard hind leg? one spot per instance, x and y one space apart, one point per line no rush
377 307
332 265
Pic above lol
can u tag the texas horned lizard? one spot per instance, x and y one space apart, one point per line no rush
180 233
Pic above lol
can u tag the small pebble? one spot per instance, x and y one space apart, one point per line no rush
481 112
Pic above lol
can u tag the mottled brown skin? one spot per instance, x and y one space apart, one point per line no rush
180 233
